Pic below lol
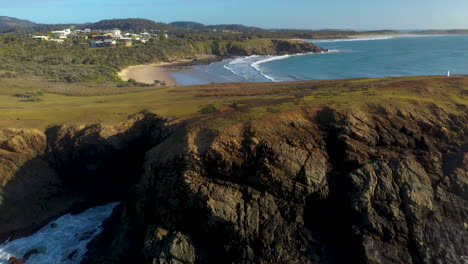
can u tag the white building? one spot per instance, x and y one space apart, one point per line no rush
87 30
116 32
64 32
110 42
59 41
41 37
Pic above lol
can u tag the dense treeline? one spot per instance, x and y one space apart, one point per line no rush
196 34
130 24
434 32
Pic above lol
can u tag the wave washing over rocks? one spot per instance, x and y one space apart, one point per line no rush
62 241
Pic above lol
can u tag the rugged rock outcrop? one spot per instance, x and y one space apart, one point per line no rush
378 182
69 168
295 46
27 181
306 186
266 47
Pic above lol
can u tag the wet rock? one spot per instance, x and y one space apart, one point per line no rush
30 253
72 255
15 260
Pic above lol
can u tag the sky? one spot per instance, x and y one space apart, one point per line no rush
301 14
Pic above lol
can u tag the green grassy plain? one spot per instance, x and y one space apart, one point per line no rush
83 103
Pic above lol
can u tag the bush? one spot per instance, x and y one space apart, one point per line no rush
30 97
207 109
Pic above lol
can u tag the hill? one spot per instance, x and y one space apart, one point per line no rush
8 24
188 25
129 24
441 32
231 27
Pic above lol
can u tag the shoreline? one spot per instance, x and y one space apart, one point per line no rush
381 35
161 71
148 73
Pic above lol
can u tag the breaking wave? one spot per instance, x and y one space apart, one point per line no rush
352 39
249 68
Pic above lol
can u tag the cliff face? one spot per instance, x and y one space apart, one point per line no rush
68 168
379 178
306 186
26 181
264 47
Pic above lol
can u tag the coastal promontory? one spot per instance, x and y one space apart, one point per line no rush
340 171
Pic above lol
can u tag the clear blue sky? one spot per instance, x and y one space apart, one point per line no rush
308 14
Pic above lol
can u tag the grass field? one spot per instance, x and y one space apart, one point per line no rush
34 103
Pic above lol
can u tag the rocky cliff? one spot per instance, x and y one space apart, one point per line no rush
382 180
264 47
68 168
305 186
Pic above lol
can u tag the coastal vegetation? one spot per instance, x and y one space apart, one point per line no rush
91 102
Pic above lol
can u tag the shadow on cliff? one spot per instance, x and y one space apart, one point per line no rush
80 168
237 203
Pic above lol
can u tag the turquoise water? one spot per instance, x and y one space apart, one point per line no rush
367 57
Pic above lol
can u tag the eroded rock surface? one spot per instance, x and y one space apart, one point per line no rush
306 186
68 168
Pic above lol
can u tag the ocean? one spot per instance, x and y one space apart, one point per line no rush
384 56
63 241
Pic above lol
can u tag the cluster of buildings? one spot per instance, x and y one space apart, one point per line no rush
99 38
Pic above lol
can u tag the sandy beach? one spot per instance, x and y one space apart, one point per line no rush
149 73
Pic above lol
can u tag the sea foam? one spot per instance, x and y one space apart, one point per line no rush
352 39
62 241
256 65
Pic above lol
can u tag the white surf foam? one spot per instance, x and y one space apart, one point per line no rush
352 39
374 38
62 241
256 65
237 68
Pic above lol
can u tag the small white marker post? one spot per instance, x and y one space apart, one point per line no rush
448 74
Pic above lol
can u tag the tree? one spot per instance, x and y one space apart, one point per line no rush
162 34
